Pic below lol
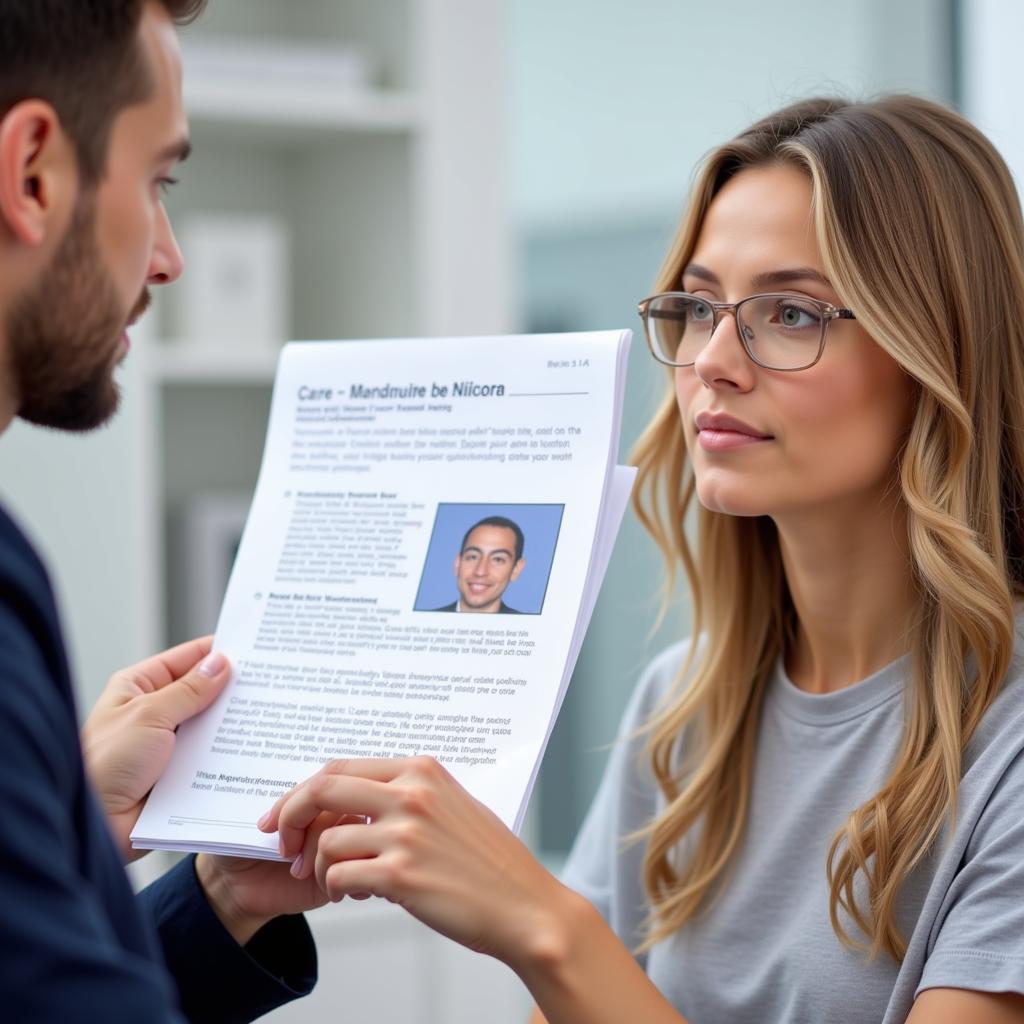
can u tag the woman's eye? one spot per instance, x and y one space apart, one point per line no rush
794 316
166 184
700 311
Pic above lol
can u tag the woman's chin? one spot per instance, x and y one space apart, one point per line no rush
729 503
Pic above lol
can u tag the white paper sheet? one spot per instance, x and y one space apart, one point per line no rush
379 455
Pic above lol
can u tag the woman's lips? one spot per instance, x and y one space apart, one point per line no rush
718 432
724 440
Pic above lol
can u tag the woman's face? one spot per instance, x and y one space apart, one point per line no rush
820 439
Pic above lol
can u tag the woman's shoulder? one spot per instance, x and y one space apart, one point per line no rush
661 679
998 741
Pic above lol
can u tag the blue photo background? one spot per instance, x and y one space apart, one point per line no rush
540 525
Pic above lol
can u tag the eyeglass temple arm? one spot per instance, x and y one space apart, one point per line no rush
664 314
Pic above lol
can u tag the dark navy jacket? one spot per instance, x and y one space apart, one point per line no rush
75 943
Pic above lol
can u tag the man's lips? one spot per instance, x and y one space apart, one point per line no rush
137 313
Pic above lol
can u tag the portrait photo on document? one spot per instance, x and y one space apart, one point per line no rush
489 558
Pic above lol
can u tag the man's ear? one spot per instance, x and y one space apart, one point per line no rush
517 569
455 566
37 168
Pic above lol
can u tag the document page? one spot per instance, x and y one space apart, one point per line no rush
430 527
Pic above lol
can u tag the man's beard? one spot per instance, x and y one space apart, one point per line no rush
63 336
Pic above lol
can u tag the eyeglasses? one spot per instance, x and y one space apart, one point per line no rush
779 332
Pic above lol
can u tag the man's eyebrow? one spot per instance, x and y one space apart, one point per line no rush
479 551
768 279
178 151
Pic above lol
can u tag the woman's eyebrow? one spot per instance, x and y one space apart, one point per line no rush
768 279
696 270
776 277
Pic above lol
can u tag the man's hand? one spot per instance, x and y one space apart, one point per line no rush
128 738
246 894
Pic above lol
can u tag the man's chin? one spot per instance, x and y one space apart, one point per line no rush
78 412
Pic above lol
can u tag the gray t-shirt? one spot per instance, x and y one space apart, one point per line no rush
764 950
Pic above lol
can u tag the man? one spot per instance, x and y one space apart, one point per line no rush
491 557
91 127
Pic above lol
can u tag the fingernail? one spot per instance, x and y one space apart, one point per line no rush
297 866
262 823
212 665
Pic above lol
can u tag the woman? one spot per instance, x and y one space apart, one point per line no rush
828 823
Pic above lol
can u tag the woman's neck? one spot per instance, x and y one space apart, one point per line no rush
851 581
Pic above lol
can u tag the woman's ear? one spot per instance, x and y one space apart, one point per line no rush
38 172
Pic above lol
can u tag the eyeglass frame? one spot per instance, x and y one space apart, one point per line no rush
827 310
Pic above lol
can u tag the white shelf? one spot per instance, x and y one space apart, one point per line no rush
186 363
284 105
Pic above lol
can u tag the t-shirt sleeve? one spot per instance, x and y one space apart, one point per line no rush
219 981
979 941
605 865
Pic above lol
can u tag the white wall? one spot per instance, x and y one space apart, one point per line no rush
51 483
611 103
993 74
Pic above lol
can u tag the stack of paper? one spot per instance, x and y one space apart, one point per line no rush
430 529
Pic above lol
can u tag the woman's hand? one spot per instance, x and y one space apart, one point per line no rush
429 846
425 844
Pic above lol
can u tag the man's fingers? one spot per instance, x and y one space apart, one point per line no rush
195 691
164 668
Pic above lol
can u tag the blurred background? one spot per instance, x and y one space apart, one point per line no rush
380 168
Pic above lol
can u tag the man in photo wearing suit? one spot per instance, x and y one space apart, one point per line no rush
490 558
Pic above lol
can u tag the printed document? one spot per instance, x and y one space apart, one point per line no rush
431 525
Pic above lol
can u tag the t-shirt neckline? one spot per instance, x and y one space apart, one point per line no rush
840 705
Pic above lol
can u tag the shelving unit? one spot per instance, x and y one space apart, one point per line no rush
176 365
392 197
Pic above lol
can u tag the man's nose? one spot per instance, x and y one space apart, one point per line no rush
166 263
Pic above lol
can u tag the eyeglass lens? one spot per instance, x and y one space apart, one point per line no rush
779 331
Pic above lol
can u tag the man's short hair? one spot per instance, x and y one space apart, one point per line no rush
505 524
83 58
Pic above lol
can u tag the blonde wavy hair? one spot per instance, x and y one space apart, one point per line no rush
919 226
